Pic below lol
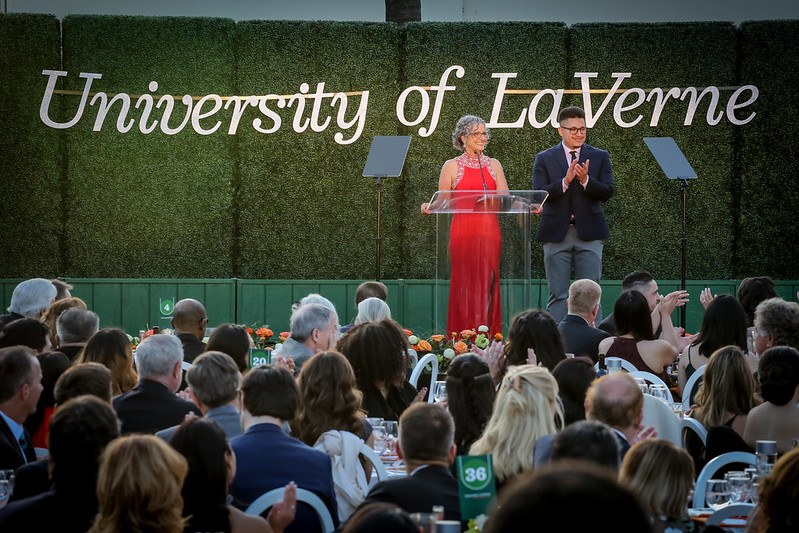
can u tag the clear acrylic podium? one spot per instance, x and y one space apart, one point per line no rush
512 210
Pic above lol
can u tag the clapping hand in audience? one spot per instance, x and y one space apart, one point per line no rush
285 362
492 355
185 394
532 359
705 297
646 433
420 396
282 513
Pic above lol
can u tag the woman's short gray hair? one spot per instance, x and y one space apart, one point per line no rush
464 127
372 310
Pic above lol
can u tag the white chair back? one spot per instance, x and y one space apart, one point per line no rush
736 509
379 467
185 365
687 391
414 357
431 359
649 376
268 499
692 424
712 467
662 417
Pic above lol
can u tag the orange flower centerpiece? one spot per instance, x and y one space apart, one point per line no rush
262 336
447 348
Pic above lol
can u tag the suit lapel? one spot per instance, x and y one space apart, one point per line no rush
560 156
12 442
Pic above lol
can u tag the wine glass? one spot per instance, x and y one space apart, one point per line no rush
390 432
440 391
717 493
6 485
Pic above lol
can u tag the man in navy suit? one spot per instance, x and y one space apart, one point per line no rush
426 442
20 388
267 458
580 335
578 178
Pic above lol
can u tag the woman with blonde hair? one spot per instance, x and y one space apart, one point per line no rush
111 348
527 407
50 317
139 487
662 475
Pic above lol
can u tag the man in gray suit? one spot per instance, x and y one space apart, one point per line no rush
214 382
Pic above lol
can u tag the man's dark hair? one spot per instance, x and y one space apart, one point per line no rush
270 391
587 439
85 378
25 332
426 432
754 290
16 369
79 432
370 289
636 280
570 112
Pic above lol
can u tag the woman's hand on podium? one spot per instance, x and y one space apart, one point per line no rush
425 209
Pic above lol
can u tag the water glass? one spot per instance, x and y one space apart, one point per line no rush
661 392
6 485
740 487
754 490
440 391
642 384
717 493
390 435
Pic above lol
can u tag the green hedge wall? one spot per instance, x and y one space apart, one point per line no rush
283 205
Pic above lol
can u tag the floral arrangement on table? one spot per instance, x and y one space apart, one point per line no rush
447 348
143 334
263 336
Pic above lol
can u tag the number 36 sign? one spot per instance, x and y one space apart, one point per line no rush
475 484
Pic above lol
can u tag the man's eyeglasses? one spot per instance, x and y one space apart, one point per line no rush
574 131
480 134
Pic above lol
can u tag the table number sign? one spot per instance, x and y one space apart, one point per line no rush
476 486
259 356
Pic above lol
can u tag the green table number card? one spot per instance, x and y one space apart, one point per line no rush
476 486
166 305
259 356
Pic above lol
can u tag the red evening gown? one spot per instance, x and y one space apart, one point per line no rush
474 247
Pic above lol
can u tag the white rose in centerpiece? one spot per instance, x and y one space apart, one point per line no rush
482 329
449 353
413 339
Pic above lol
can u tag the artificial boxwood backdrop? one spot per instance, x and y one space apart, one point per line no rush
77 202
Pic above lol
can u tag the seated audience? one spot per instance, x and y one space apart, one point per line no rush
267 458
426 433
50 317
580 335
724 324
79 432
53 364
189 320
212 466
662 475
533 329
30 299
139 486
20 387
752 291
574 376
776 324
377 352
152 405
331 420
383 517
568 496
777 418
372 310
588 440
776 509
214 381
313 328
88 378
527 407
111 348
74 328
470 398
725 397
635 341
28 332
616 400
367 289
233 340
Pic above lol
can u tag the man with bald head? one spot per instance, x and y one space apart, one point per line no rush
616 400
189 321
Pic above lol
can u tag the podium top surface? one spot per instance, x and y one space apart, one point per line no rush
479 201
387 156
670 158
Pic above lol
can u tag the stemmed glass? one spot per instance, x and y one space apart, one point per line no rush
440 391
717 493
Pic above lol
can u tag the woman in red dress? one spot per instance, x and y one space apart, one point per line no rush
474 241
